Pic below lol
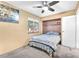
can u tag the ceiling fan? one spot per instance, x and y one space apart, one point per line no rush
47 5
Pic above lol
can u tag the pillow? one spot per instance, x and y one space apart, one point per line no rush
52 33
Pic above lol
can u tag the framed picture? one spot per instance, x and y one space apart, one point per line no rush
33 25
8 14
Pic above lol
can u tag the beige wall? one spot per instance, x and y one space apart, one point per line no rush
14 35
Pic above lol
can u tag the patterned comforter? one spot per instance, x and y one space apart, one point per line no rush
45 42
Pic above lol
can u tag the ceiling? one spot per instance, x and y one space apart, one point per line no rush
59 7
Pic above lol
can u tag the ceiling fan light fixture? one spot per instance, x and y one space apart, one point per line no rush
45 8
44 3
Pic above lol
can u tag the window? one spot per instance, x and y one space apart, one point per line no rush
33 25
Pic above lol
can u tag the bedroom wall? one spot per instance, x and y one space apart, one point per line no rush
12 35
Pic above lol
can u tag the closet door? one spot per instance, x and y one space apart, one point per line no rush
77 28
68 31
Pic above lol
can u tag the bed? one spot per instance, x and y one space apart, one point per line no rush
46 42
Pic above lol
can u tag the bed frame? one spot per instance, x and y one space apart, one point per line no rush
52 53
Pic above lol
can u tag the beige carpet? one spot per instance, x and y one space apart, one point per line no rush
29 52
66 52
26 52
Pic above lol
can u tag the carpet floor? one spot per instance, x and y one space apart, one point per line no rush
30 52
26 52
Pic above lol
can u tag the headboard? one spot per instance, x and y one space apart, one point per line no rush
52 25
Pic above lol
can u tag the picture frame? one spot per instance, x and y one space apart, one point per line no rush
8 14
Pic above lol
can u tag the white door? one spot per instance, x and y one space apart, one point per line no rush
77 29
68 31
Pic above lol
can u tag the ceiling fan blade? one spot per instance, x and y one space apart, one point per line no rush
53 3
42 11
51 9
37 7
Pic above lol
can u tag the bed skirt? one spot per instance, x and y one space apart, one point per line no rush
46 48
